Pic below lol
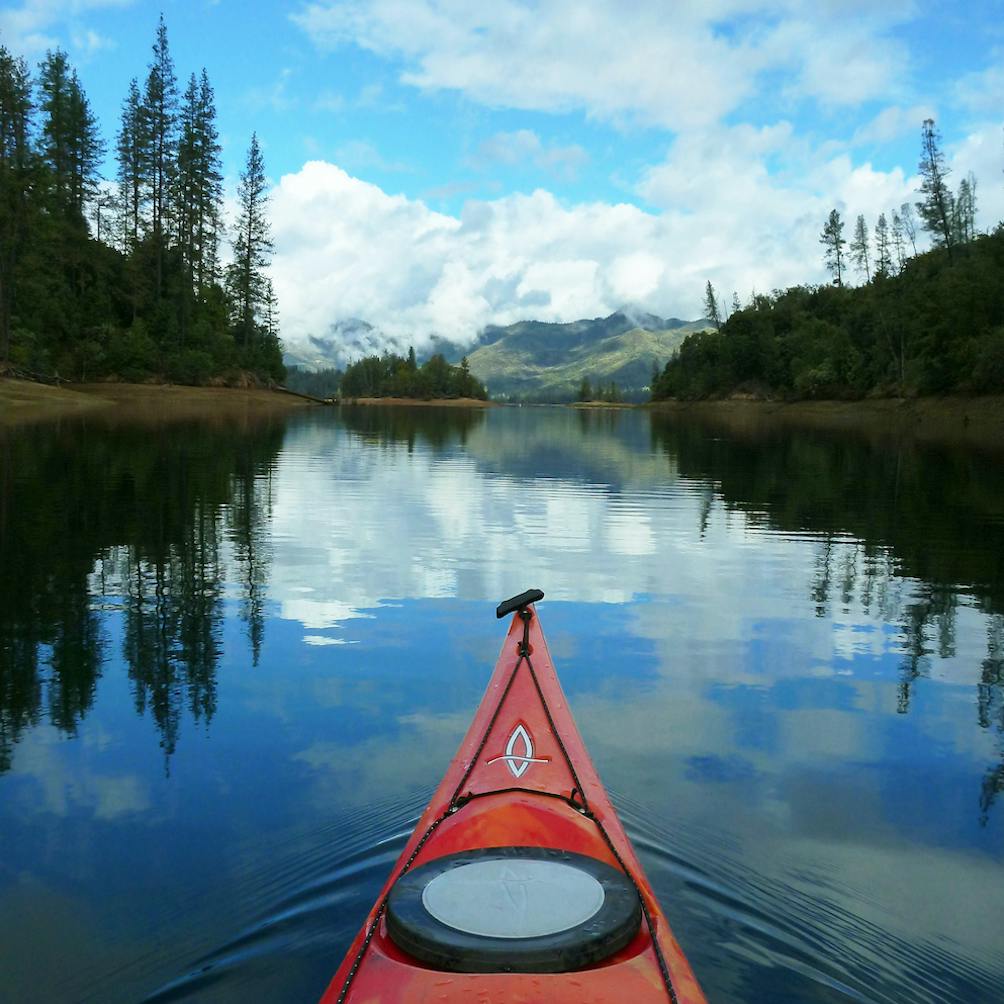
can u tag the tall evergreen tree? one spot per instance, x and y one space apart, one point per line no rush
54 78
935 207
832 239
131 145
859 248
711 311
252 244
909 224
883 247
15 181
209 201
160 114
898 240
964 216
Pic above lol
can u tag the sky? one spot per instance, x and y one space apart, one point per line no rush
438 165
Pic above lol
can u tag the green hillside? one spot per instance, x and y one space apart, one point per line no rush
535 360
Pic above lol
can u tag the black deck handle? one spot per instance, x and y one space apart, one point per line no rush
518 602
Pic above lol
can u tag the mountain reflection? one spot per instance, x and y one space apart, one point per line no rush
133 519
905 531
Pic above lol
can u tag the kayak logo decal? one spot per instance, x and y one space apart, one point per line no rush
519 763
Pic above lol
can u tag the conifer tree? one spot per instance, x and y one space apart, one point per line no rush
898 240
252 244
15 180
833 243
131 146
859 248
883 247
909 224
736 305
160 113
711 311
936 206
199 185
964 216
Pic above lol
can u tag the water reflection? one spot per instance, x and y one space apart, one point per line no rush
784 650
141 520
907 533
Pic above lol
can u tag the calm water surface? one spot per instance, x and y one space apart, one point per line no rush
235 659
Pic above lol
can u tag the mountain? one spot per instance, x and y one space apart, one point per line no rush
345 341
530 360
537 360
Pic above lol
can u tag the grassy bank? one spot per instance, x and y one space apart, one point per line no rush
22 401
977 421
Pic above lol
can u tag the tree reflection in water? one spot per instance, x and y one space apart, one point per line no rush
137 519
905 532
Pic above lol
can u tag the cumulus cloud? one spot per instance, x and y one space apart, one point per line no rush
345 248
679 66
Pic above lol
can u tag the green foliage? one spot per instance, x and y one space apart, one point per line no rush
323 383
143 297
937 327
392 375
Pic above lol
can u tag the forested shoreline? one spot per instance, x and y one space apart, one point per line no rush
139 278
919 324
393 376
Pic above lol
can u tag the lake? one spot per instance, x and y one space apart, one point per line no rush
236 657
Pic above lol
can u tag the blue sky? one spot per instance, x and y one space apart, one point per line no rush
438 167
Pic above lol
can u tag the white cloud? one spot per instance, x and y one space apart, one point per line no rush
36 25
345 248
891 123
524 148
676 66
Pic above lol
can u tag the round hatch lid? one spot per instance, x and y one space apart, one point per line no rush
513 909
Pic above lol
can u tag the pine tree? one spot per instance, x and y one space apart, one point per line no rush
736 305
585 390
15 181
252 244
964 216
833 243
935 208
883 247
859 248
160 113
898 240
909 224
711 311
209 214
199 185
131 145
54 76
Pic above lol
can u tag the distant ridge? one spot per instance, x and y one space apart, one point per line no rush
544 361
532 360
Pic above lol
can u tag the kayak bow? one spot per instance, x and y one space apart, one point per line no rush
518 884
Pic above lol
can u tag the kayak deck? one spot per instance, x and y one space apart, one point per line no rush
521 778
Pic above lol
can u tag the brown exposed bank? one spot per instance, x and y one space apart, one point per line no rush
978 421
22 401
416 402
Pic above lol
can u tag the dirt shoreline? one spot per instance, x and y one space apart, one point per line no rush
976 421
416 402
23 402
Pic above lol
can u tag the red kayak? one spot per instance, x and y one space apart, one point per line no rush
519 884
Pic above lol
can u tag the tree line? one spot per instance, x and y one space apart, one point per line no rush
920 323
128 279
391 375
